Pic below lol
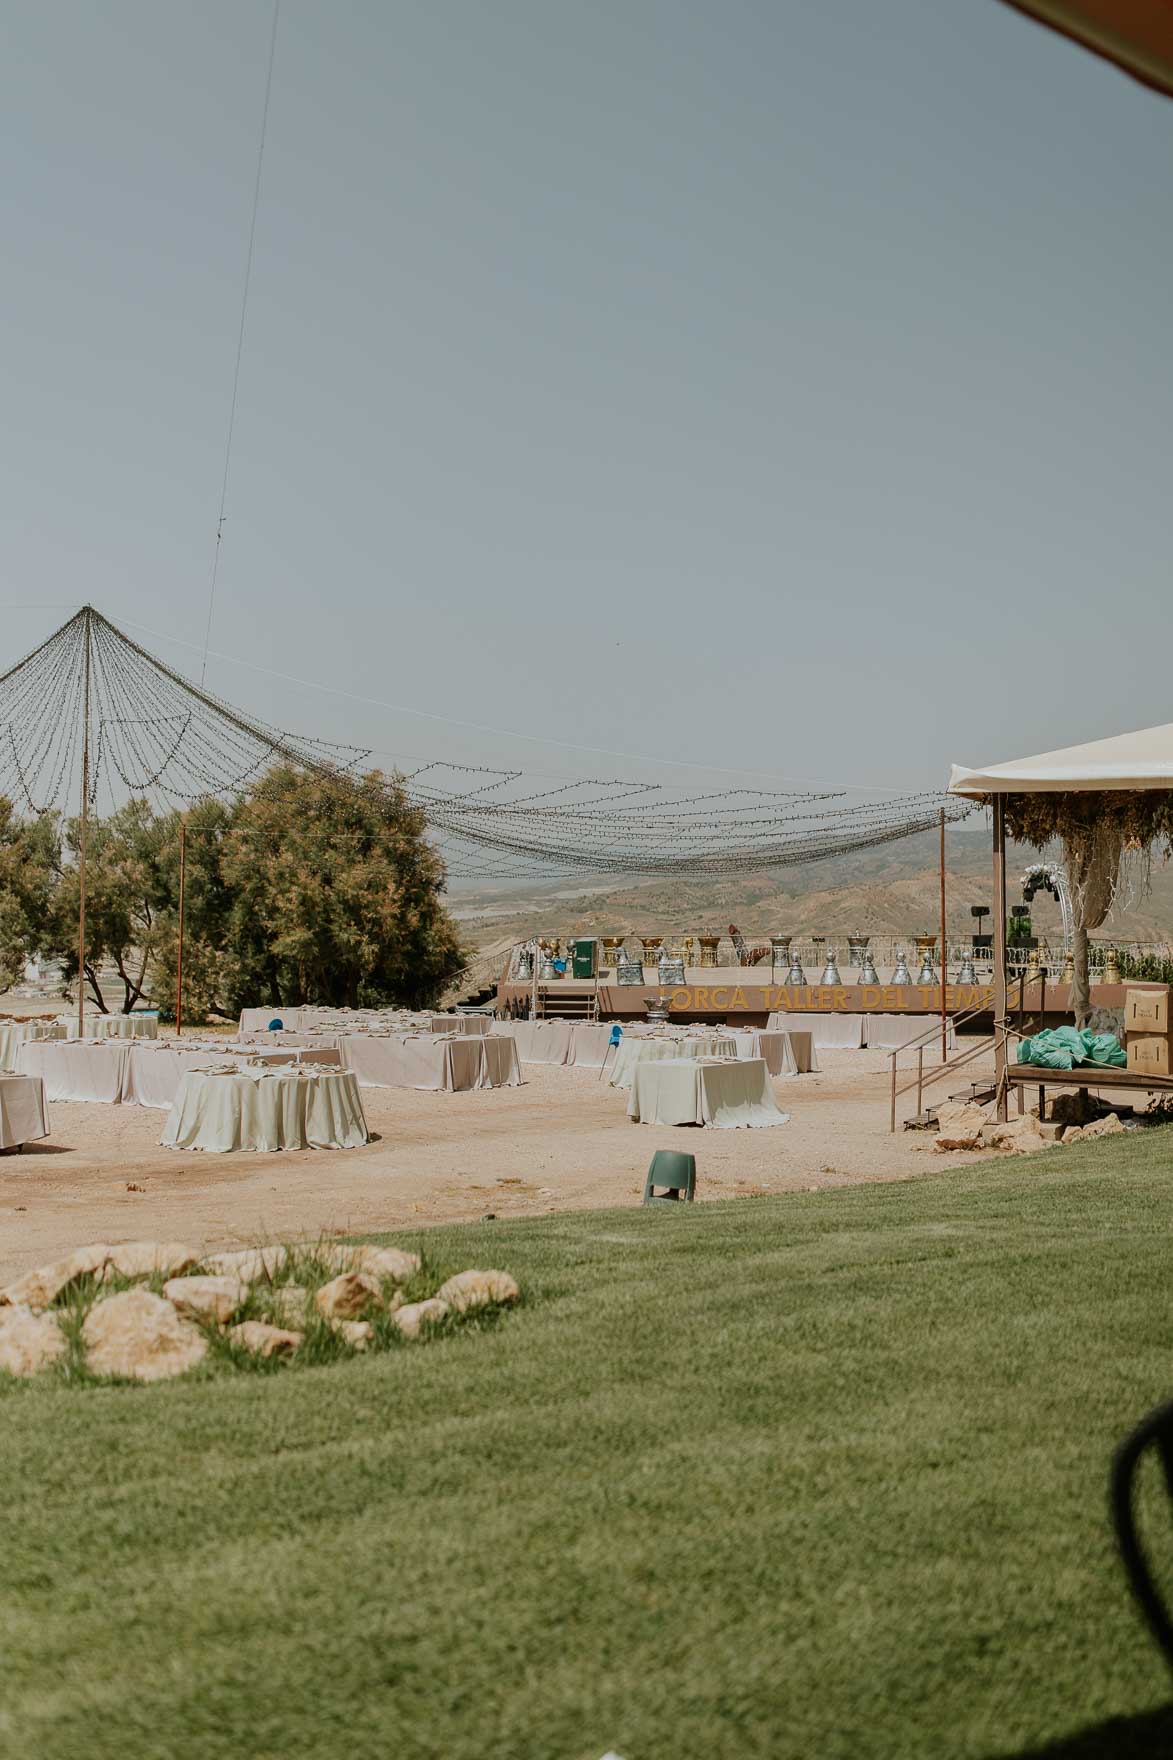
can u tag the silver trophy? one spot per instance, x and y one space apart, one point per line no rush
830 970
857 951
795 975
926 975
967 975
867 971
901 975
779 951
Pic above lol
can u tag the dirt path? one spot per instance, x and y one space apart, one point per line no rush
563 1141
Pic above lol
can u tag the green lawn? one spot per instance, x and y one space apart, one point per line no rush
811 1476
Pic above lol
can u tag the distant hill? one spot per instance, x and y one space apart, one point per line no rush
889 891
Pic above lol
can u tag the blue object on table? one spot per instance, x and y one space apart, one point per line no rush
276 1025
560 967
616 1033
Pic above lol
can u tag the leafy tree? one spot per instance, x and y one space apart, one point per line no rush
336 894
127 900
30 862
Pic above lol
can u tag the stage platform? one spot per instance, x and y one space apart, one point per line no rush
746 996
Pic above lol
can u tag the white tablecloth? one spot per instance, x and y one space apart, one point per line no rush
122 1026
77 1069
775 1049
453 1065
23 1118
257 1111
724 1094
539 1041
633 1052
887 1032
459 1023
14 1033
832 1032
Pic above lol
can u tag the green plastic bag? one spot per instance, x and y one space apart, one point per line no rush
1067 1048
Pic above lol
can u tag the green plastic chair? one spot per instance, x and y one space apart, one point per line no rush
675 1171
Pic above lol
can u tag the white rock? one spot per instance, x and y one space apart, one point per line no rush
477 1289
1110 1126
380 1261
28 1342
345 1297
39 1288
359 1333
410 1318
145 1258
264 1340
140 1336
249 1264
289 1301
206 1298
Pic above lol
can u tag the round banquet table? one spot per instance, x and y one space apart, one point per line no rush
22 1111
723 1093
258 1109
123 1026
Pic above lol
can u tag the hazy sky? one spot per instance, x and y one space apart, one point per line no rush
777 387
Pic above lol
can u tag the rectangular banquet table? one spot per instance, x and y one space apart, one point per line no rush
123 1026
287 1109
539 1041
77 1069
775 1049
472 1024
633 1052
454 1065
890 1032
724 1094
13 1035
831 1032
23 1118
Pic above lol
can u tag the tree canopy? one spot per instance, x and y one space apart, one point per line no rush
302 890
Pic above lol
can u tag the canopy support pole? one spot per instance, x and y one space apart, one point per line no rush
82 840
179 954
944 956
1001 1024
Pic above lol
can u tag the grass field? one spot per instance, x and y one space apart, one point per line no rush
809 1476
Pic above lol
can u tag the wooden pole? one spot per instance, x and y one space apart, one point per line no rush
179 958
83 837
1001 1024
944 953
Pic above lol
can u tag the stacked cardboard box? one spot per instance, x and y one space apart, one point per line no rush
1147 1040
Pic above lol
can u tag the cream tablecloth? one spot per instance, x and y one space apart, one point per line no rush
473 1024
538 1041
77 1069
14 1033
122 1026
775 1050
454 1065
831 1032
633 1052
724 1093
889 1032
254 1110
23 1117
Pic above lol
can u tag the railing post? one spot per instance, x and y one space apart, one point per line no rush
892 1120
920 1079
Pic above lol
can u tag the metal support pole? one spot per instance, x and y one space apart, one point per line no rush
179 956
82 840
944 955
920 1079
892 1117
1001 1024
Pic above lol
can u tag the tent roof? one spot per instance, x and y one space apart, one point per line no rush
1124 762
1136 34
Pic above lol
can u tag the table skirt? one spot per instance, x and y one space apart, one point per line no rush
77 1069
221 1113
832 1032
23 1118
724 1095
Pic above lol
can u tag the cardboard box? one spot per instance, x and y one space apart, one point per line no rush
1150 1054
1147 1011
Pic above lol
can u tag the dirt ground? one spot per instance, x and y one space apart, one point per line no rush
561 1142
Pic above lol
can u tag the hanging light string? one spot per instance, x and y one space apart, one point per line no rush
157 736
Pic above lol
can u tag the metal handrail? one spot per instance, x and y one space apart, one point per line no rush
950 1065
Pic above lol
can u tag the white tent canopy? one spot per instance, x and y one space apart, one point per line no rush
1126 761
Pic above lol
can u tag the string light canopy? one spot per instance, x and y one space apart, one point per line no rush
91 706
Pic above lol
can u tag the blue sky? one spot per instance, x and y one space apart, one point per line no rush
772 389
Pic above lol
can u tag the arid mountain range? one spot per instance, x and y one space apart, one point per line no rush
889 891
